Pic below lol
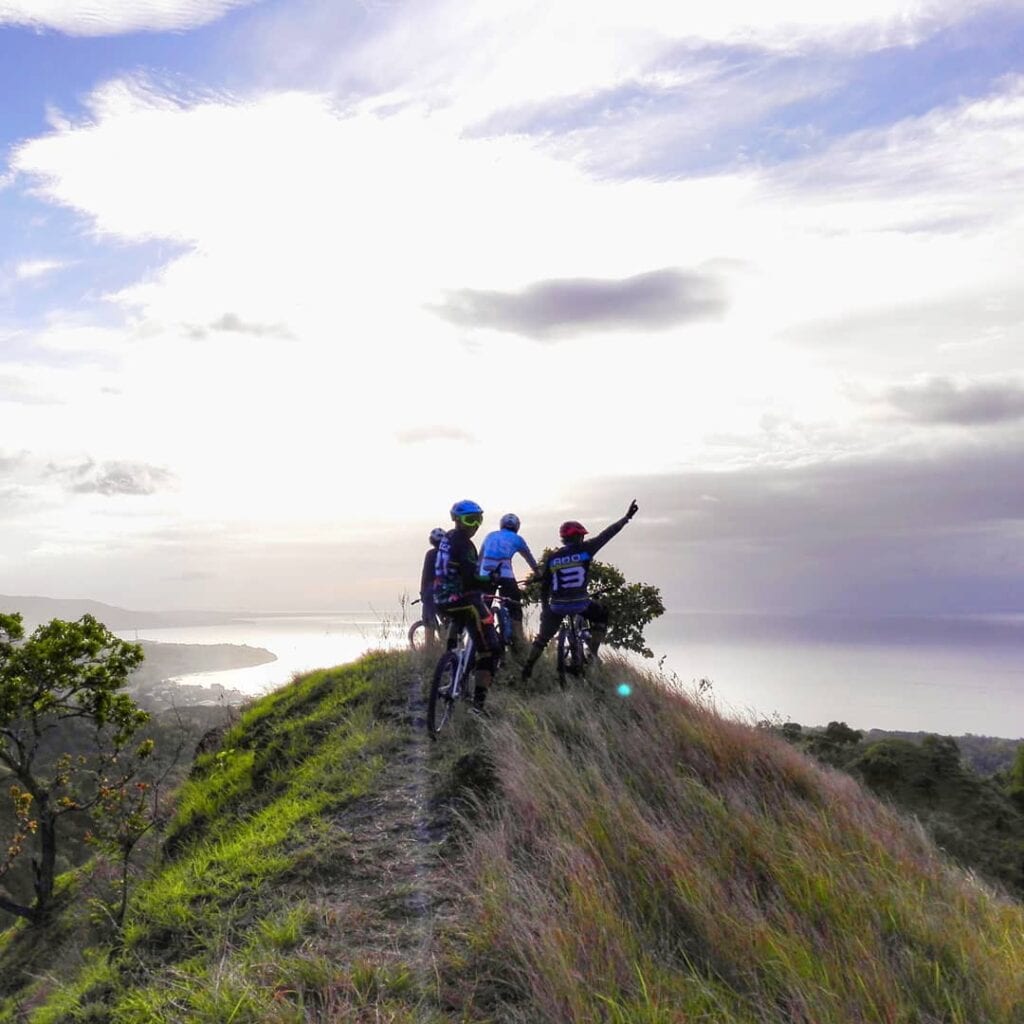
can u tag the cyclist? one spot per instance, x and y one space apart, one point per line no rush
430 623
496 554
564 579
459 594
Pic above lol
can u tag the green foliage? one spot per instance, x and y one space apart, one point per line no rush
1015 779
977 820
64 676
631 606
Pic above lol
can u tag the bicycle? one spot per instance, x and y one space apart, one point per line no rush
450 682
574 652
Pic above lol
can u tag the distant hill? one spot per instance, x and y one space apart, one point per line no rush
36 610
635 860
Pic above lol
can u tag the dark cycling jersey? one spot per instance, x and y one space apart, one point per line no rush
455 569
566 571
427 576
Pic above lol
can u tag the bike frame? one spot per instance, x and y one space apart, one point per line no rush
443 697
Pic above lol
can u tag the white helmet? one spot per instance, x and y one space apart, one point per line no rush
436 536
510 521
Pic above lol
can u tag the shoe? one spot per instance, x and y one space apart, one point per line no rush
479 711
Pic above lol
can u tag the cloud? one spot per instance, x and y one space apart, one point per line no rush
20 391
103 17
32 269
994 313
191 576
420 435
559 308
114 478
234 324
923 533
9 462
469 58
941 400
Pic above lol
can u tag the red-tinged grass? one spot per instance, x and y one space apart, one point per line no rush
646 860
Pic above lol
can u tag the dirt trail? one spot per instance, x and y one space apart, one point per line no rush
387 897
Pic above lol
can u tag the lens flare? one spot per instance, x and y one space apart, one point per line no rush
623 689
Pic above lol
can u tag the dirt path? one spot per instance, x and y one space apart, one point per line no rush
387 897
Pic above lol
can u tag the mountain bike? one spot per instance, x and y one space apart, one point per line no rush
573 646
451 681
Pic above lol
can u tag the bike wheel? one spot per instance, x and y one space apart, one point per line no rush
505 634
579 650
440 704
417 635
563 655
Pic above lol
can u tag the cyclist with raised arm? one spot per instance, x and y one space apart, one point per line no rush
430 623
459 593
496 554
564 578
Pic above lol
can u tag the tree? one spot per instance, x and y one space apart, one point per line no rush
1015 779
631 606
65 675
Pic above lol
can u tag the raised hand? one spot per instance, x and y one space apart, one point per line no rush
633 509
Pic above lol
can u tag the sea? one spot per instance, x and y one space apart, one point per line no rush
950 675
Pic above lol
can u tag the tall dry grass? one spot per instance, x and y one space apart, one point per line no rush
646 860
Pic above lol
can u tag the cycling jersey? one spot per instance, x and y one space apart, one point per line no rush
567 570
456 569
497 551
427 576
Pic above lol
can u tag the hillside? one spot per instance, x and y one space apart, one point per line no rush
36 610
579 858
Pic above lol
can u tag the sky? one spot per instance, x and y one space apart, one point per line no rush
281 280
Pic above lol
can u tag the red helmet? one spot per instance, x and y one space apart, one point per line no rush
570 529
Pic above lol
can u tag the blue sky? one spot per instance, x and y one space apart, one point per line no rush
274 277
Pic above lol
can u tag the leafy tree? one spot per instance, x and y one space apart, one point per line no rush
66 674
631 606
1015 778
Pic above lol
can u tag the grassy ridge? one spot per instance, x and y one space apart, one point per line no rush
633 860
646 861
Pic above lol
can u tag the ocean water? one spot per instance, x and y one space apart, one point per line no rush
950 676
302 641
939 675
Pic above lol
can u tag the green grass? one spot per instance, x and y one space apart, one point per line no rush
646 860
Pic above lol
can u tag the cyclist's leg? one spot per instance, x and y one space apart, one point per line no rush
473 613
488 649
549 623
449 628
430 620
597 615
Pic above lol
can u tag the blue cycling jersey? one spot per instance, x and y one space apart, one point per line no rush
497 550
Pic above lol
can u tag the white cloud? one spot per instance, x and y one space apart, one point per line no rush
473 59
30 269
103 17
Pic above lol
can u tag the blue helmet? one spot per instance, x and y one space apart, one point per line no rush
466 508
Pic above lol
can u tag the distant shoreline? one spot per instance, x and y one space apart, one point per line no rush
152 684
